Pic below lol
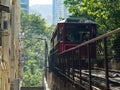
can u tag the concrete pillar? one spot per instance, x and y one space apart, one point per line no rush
9 30
15 28
5 28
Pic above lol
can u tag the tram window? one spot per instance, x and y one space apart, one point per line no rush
85 36
77 36
52 44
60 34
78 33
72 36
55 40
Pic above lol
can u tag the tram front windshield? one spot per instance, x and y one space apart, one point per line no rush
77 33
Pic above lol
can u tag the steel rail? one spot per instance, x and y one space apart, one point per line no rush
110 70
96 79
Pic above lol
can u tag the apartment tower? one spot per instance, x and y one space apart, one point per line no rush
59 11
25 5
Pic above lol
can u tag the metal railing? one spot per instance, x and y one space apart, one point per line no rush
94 64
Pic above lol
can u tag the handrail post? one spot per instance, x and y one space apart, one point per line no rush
106 64
80 67
89 60
46 57
73 72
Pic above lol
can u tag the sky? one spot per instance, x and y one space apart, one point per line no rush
34 2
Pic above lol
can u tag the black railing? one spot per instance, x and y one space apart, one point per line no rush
94 64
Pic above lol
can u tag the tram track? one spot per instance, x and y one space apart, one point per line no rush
97 79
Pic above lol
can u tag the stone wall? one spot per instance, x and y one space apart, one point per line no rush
9 43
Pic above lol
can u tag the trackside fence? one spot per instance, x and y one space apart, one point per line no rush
92 65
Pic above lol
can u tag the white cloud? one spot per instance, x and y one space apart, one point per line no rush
33 2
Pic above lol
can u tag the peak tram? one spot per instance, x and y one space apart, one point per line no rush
78 59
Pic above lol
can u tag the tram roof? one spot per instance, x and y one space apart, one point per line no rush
77 20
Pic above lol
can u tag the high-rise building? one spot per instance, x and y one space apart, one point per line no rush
59 11
25 5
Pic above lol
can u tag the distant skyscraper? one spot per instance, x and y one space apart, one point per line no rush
59 11
25 5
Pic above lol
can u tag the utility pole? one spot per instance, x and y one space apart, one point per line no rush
46 56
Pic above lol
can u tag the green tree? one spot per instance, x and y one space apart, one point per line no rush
33 75
104 12
34 26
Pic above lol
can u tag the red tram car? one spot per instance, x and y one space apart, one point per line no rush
70 33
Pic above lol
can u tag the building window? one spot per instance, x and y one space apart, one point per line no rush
24 6
0 27
24 1
5 25
0 39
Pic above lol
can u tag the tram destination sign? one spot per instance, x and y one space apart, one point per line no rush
4 8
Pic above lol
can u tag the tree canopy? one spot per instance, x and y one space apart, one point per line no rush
104 12
34 27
